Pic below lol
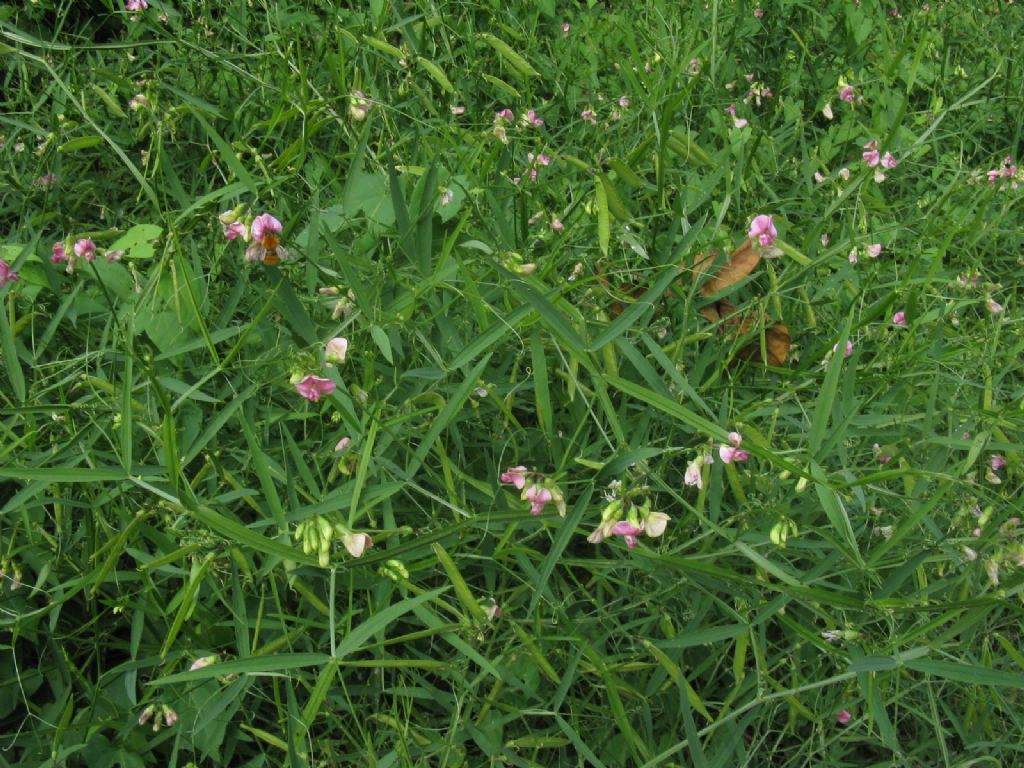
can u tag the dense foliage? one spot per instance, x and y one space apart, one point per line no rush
797 458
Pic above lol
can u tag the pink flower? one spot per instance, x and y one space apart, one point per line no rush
556 225
234 230
843 717
997 462
336 350
844 174
58 253
137 102
758 12
900 319
693 474
694 67
852 256
446 197
264 225
627 531
883 458
85 249
7 275
846 352
846 93
624 102
818 178
458 110
114 255
342 444
731 110
871 157
740 122
993 306
136 5
516 476
763 228
538 496
493 611
824 239
589 116
532 119
46 180
888 161
874 250
565 27
730 453
314 387
358 105
506 114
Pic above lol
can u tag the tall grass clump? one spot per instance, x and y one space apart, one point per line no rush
511 383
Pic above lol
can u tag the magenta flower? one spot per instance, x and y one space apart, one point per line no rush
589 115
58 253
888 161
997 462
900 319
532 119
730 453
846 93
314 387
843 717
627 531
85 249
136 5
7 275
763 228
871 157
265 224
515 476
265 244
846 352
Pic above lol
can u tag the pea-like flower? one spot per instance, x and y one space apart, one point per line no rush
314 387
762 228
265 245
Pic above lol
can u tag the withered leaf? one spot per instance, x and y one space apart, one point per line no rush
740 263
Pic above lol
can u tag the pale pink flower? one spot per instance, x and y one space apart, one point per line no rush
847 94
888 161
314 387
655 524
852 255
844 174
993 306
731 110
740 122
729 454
493 611
693 67
827 111
336 350
202 662
538 496
516 476
847 351
627 531
871 157
763 228
532 119
818 178
758 12
147 714
879 176
843 717
556 225
566 27
693 474
446 197
342 444
46 180
873 250
114 255
356 543
624 102
137 102
85 249
589 115
505 114
136 5
58 253
997 462
458 110
170 716
900 319
824 239
7 275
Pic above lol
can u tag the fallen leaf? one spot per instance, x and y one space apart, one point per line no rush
740 263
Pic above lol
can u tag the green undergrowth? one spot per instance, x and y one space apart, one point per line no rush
514 291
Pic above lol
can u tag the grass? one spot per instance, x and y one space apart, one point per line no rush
167 496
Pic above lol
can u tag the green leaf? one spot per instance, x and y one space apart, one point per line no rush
254 665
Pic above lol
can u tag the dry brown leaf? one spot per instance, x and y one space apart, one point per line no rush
740 263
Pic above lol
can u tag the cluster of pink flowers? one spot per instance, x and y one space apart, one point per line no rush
628 519
536 489
136 5
738 122
878 161
762 229
872 251
847 94
757 92
262 233
589 115
46 180
83 248
533 163
156 713
502 119
1008 175
900 319
313 387
7 275
531 119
